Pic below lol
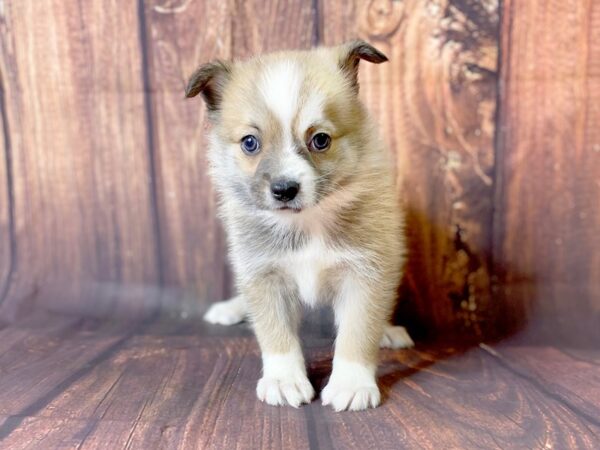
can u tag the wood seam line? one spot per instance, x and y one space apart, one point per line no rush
498 140
37 405
151 145
12 258
316 34
497 230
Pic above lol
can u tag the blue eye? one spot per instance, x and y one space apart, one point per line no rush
320 142
250 145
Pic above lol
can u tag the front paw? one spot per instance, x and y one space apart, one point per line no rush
284 380
352 386
351 397
278 392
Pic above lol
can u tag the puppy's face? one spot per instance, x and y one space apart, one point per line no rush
287 126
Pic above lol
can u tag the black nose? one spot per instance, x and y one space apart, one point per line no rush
284 190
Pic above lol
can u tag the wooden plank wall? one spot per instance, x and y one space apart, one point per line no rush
547 221
108 208
84 209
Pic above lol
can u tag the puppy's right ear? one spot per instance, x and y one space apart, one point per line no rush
350 55
209 80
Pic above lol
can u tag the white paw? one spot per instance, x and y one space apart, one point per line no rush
396 337
284 381
278 392
352 386
228 312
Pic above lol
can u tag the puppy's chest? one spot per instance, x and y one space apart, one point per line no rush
313 268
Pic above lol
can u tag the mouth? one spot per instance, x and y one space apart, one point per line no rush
293 210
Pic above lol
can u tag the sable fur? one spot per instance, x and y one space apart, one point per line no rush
346 245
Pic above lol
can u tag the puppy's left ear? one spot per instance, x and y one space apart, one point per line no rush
209 80
350 55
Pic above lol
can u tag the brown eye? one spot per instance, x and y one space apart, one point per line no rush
320 142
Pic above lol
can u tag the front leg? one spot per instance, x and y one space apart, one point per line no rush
275 313
361 313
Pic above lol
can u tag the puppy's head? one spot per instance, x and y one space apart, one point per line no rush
288 127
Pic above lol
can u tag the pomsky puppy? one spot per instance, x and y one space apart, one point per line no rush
310 206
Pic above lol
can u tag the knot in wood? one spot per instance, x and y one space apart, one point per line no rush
382 18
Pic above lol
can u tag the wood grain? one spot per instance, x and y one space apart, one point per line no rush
435 103
264 26
82 190
546 241
40 365
179 37
94 384
563 373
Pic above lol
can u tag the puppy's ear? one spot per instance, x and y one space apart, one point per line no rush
209 80
350 55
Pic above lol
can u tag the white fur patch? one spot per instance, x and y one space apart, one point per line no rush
280 87
306 266
351 386
284 380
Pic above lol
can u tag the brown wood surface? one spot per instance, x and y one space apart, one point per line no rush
547 245
272 25
97 384
84 215
568 374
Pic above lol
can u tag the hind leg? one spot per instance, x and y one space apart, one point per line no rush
396 337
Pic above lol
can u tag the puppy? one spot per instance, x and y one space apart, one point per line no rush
309 202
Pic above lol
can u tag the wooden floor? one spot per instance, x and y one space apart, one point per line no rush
67 382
